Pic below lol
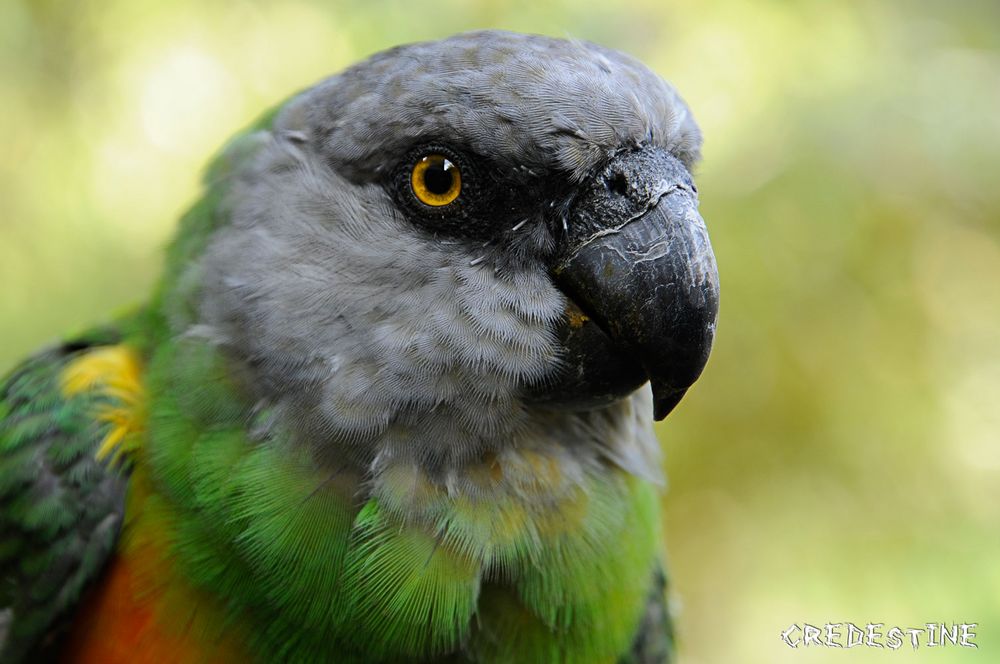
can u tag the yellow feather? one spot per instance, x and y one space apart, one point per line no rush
115 373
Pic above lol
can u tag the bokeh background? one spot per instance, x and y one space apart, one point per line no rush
840 458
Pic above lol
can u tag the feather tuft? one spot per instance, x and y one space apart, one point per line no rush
114 374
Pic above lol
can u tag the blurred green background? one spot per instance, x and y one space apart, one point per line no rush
840 459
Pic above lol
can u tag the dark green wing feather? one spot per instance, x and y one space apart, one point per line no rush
60 509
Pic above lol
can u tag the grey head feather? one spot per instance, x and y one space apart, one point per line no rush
544 103
384 343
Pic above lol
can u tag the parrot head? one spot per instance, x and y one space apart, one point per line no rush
453 240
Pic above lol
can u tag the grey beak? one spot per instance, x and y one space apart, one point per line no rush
639 263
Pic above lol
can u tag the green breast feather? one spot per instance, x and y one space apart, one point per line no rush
536 568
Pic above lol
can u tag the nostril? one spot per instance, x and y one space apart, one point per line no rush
617 184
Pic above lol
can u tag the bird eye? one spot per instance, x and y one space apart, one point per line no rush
436 181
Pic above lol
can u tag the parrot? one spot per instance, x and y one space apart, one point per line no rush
392 398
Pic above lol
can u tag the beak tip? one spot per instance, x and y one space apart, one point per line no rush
665 399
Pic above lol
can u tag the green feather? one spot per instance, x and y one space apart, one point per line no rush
60 509
408 595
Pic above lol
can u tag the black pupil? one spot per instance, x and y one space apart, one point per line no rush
438 177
